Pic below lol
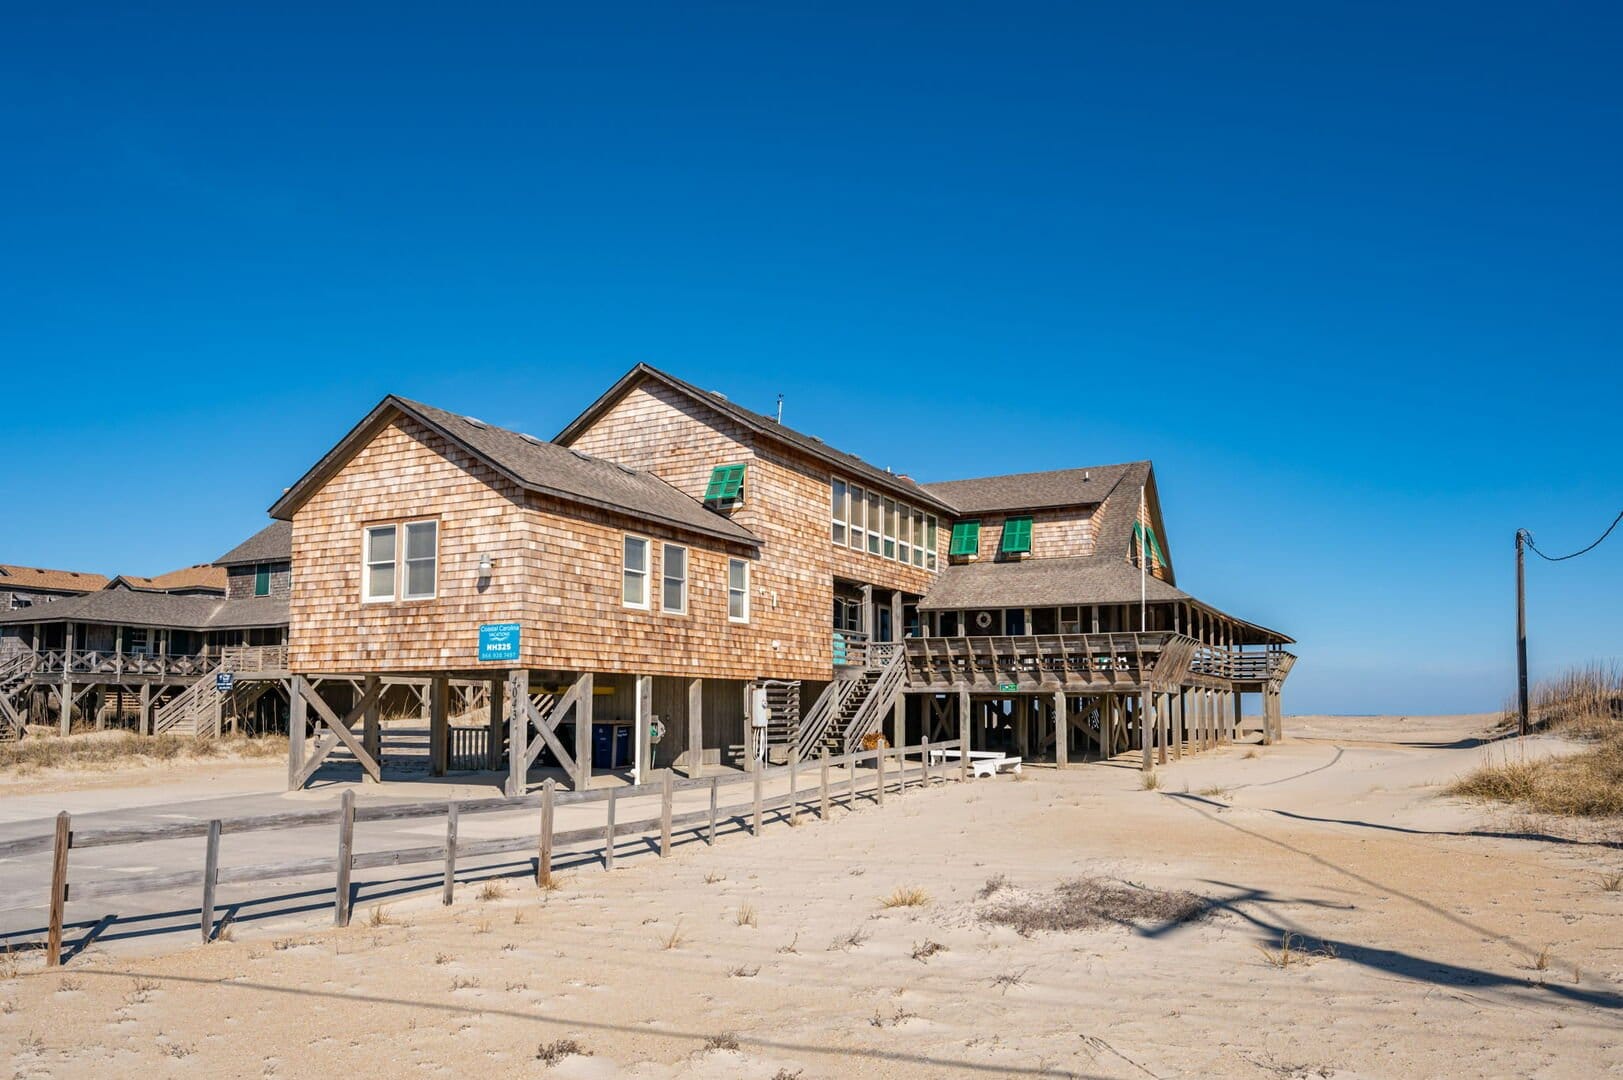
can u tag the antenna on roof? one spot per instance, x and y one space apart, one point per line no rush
780 408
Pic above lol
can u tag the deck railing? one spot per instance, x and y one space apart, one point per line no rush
102 662
253 659
1093 658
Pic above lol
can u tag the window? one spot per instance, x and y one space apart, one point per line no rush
904 548
726 486
929 542
876 523
422 559
1070 620
674 567
890 528
1017 536
380 564
841 511
858 501
738 590
634 590
918 538
966 538
262 574
136 641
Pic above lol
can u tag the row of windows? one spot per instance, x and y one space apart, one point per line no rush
966 537
673 580
875 523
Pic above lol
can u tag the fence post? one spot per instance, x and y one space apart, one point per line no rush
879 762
665 814
608 833
794 772
851 779
543 862
757 829
211 872
710 836
59 889
924 759
822 806
346 856
448 893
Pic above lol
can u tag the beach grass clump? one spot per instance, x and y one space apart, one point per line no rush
1088 903
109 749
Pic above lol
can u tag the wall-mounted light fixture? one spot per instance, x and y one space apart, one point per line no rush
484 567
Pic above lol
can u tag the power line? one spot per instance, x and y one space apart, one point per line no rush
1528 537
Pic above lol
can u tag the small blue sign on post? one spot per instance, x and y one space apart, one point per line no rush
499 641
223 681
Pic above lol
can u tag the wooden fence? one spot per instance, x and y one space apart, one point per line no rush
210 875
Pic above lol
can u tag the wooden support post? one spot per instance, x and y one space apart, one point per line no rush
543 862
518 731
144 725
665 814
757 820
642 738
1163 728
696 726
346 858
1062 731
822 804
298 718
59 889
497 717
448 891
67 694
439 725
963 734
583 733
608 832
794 776
879 763
1234 713
371 731
211 877
710 832
924 763
1145 742
851 781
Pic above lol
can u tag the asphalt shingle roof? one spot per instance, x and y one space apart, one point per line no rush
120 606
1033 490
273 543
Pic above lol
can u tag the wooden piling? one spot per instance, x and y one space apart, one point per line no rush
211 875
59 889
879 762
543 862
608 832
448 892
665 814
346 858
822 804
710 832
757 819
794 773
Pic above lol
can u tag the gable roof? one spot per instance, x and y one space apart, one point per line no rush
273 543
1033 490
120 605
760 424
202 576
66 581
534 465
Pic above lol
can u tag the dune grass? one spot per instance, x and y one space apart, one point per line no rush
1583 703
106 750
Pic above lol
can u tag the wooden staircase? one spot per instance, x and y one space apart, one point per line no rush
851 709
194 712
14 673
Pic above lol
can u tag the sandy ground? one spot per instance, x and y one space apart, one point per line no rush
1465 943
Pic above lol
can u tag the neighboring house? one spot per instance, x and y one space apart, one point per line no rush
25 586
135 644
672 555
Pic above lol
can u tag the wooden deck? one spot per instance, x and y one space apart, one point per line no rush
1122 663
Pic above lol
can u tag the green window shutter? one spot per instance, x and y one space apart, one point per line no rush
1151 544
262 580
726 484
966 538
1017 536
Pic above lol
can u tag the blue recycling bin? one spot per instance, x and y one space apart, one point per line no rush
602 746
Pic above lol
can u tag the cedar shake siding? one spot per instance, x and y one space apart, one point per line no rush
241 580
787 496
556 570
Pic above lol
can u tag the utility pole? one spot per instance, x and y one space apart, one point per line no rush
1521 633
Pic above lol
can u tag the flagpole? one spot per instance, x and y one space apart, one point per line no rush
1143 583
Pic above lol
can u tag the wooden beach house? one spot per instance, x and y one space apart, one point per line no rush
677 580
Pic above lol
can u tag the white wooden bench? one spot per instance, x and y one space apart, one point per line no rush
981 762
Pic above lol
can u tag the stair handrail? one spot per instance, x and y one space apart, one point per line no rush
187 705
815 723
879 699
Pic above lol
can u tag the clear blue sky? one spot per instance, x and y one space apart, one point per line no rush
1348 273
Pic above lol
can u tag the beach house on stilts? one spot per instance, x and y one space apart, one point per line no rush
677 580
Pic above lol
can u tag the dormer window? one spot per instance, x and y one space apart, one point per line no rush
1016 537
726 488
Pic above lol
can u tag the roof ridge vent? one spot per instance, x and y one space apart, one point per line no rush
475 421
530 438
719 394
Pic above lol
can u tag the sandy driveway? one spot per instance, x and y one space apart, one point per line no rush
1454 953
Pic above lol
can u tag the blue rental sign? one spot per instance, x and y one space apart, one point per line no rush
499 641
223 681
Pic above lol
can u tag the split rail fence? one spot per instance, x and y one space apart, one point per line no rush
823 792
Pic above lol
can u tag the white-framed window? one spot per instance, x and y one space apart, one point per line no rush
876 523
380 563
396 570
858 515
420 579
841 511
930 539
918 538
634 561
738 591
890 528
673 597
904 546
